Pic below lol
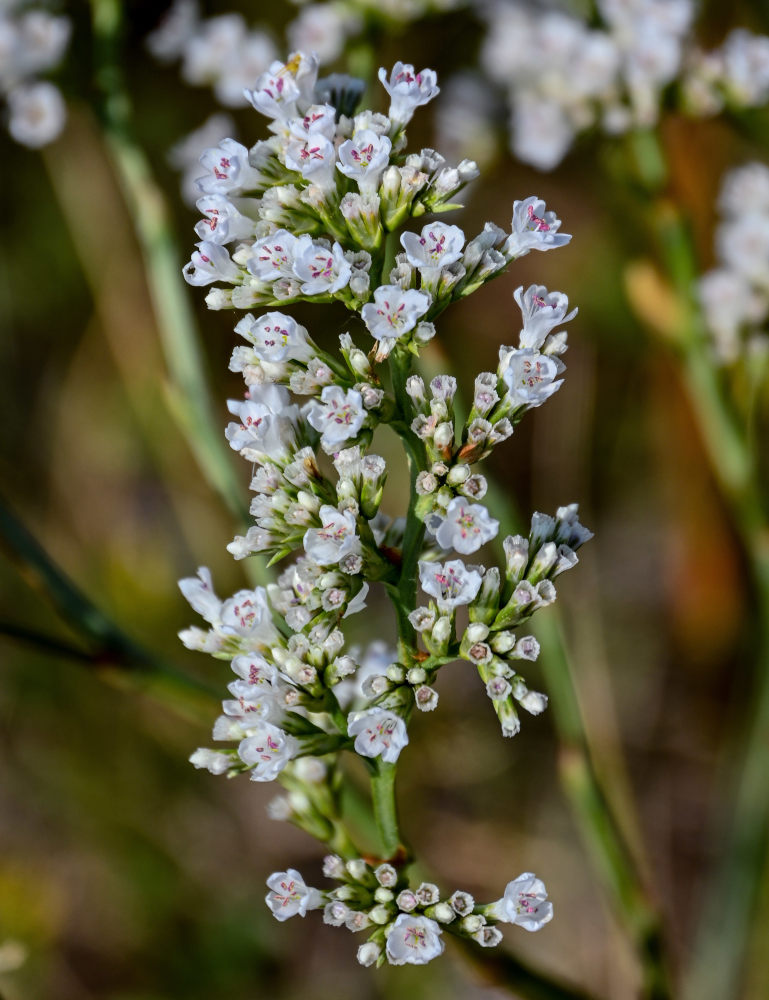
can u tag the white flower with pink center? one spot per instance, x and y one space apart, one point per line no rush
438 245
534 228
278 89
255 669
336 538
318 119
247 614
322 269
451 583
266 428
223 223
267 751
530 377
524 903
312 156
413 940
275 337
542 312
394 312
209 263
338 416
289 896
227 170
273 256
364 158
465 527
378 733
408 90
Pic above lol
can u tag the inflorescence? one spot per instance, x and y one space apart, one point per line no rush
312 214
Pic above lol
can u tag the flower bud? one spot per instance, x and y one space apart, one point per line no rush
406 901
357 869
383 895
426 698
369 952
416 675
472 923
428 893
476 632
386 875
380 915
395 673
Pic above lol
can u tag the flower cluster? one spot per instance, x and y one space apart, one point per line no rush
735 295
32 41
313 214
405 925
564 76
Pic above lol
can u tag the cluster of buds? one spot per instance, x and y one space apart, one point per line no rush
310 212
405 925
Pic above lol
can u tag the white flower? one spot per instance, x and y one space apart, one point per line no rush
277 91
255 669
323 28
729 303
542 312
541 131
267 751
408 90
530 376
318 118
338 416
364 158
533 228
276 337
378 733
313 156
185 154
289 896
336 539
438 245
211 760
247 614
745 190
199 592
451 583
394 311
37 114
273 256
743 245
227 169
223 222
266 428
210 262
323 271
524 903
465 527
413 940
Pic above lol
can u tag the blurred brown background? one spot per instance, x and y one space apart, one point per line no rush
127 875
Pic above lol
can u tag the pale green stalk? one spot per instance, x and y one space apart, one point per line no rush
189 397
718 963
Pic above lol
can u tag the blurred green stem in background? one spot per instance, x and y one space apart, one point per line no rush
188 393
718 965
112 652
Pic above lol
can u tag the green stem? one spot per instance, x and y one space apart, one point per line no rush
718 965
608 847
189 397
114 653
385 809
